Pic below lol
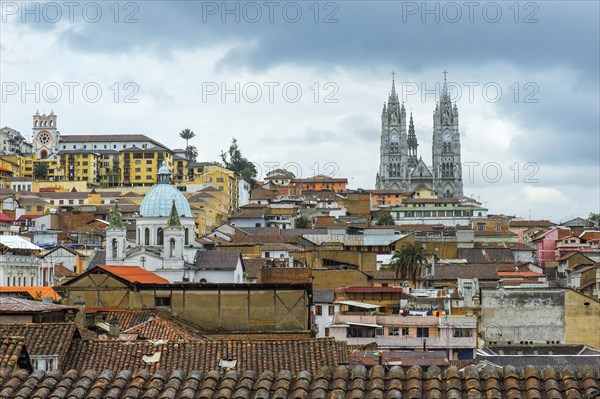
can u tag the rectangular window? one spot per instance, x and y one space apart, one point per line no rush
138 169
461 333
40 208
148 162
319 310
162 301
379 332
422 332
219 180
480 226
395 331
331 310
148 169
405 332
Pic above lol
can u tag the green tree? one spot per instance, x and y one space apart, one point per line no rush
187 135
235 162
385 220
40 170
191 153
302 223
408 261
594 220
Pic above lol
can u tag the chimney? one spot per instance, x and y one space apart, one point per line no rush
113 327
80 316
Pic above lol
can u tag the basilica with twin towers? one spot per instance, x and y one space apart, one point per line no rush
401 167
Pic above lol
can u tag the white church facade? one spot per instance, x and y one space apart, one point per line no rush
165 242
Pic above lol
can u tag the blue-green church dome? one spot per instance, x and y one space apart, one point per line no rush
160 198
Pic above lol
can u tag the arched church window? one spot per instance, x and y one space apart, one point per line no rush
172 248
147 236
37 123
114 248
159 236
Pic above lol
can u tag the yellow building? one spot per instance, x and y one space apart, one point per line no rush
215 175
139 167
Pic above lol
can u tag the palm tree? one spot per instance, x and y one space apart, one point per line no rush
191 153
408 261
187 134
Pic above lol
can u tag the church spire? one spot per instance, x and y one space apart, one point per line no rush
393 95
412 143
173 220
116 221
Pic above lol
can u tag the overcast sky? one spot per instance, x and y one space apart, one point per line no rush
303 84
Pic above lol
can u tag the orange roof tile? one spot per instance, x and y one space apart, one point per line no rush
135 274
520 274
33 291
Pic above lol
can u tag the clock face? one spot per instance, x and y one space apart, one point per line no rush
394 136
44 138
446 136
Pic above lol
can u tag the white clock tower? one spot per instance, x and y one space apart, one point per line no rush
45 135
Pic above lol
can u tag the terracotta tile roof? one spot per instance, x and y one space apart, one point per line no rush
530 223
158 328
254 266
10 352
520 274
204 355
335 383
5 219
515 246
19 305
494 233
217 260
128 318
32 291
43 338
135 274
485 255
61 271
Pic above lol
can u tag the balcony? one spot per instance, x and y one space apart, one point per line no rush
410 342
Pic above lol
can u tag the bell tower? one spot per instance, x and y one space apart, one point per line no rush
45 135
394 147
447 167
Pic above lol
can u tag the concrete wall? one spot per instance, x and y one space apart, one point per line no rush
331 279
582 319
254 308
519 316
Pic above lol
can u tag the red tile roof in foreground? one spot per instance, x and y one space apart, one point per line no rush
205 355
135 274
334 383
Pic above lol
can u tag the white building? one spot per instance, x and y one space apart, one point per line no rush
165 242
19 264
218 267
324 311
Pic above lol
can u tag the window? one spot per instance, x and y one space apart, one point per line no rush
379 332
162 301
461 333
137 170
319 310
422 332
148 169
498 227
40 208
405 332
395 331
219 180
267 254
148 162
480 226
331 310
